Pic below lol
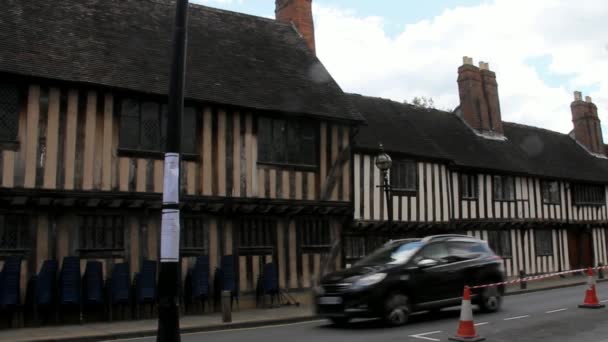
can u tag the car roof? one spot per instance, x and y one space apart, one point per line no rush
443 237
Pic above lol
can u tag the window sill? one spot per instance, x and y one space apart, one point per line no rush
124 152
404 192
9 145
589 204
13 251
552 203
505 200
100 252
469 198
294 167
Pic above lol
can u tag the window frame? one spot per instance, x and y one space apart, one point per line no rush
190 226
578 187
91 251
469 177
297 124
11 142
23 237
398 188
256 227
139 152
543 248
502 197
503 239
545 190
314 234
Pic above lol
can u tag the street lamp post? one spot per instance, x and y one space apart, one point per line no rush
168 279
384 163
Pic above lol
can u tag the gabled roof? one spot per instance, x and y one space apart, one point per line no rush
434 133
233 58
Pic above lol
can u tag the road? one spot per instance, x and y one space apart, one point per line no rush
550 315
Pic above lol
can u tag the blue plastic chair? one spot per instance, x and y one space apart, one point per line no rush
69 281
199 280
45 283
145 284
227 275
10 287
93 283
270 282
10 282
119 287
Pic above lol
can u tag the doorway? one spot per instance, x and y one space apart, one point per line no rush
580 249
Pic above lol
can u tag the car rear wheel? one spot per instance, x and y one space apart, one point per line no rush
340 321
397 310
490 299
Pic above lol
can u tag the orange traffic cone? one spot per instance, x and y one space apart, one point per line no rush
466 328
591 301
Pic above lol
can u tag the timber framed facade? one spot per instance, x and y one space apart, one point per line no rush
538 197
266 166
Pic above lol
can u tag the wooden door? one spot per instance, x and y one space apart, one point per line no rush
586 250
580 249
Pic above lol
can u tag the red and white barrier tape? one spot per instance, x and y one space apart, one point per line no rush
532 278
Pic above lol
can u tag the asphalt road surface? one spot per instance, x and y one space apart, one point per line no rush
551 315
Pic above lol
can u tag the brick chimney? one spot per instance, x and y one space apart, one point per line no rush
587 130
299 13
479 101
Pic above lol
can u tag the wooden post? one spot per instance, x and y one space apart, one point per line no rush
226 307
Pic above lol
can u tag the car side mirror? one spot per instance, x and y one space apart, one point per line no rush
425 263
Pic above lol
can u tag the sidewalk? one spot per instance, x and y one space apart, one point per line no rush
209 322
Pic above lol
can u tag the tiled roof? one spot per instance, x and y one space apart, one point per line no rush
233 58
438 134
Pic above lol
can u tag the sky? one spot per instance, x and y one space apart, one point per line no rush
541 50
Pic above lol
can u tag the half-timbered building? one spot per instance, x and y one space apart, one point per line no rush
266 137
537 196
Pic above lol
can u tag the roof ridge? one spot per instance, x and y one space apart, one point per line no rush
533 127
400 103
221 10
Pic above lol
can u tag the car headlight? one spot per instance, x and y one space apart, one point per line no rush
369 280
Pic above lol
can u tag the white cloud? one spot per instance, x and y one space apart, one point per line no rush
422 60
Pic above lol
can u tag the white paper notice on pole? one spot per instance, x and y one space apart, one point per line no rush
169 238
171 178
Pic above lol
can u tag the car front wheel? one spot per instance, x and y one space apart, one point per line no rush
397 310
490 299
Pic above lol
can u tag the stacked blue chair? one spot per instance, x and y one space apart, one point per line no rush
119 287
45 287
228 277
270 282
92 282
145 284
10 286
70 285
200 281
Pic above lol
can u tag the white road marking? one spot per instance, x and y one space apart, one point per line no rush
423 335
516 317
557 310
604 301
482 323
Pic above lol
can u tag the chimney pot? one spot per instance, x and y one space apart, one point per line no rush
588 99
484 66
578 96
467 60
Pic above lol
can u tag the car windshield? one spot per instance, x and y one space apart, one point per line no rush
391 254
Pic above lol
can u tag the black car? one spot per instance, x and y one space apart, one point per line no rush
410 275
